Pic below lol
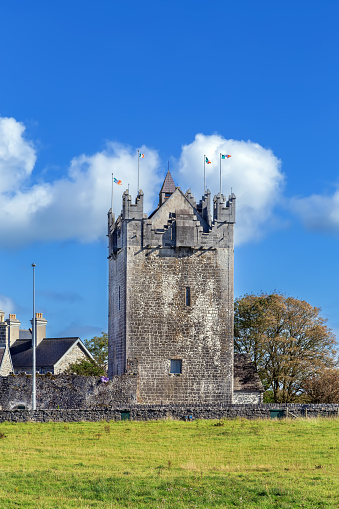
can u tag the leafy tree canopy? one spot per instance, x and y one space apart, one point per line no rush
86 368
323 388
98 347
286 339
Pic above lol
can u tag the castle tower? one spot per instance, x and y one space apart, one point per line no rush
171 297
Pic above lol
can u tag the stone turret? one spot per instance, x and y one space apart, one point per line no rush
167 188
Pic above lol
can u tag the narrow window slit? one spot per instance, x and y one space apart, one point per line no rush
188 296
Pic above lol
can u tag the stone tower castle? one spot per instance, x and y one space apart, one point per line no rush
171 296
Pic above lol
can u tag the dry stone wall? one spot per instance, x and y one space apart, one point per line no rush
179 412
66 391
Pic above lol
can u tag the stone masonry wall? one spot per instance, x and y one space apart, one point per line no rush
117 314
179 412
247 398
66 391
162 327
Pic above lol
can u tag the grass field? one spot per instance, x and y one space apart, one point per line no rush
170 464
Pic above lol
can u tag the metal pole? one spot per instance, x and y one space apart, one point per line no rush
220 173
204 174
112 193
34 345
138 173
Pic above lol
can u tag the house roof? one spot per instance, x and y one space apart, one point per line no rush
25 334
246 377
168 185
48 352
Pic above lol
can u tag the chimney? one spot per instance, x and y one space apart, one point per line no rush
3 330
13 329
40 328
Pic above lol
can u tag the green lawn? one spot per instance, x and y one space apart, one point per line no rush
170 464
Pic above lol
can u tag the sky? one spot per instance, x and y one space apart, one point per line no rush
84 85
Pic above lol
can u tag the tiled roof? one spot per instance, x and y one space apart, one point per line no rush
48 352
168 185
246 377
25 334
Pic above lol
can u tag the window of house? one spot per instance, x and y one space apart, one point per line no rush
188 296
176 365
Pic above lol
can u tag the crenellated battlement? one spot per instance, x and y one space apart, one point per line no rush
179 222
224 211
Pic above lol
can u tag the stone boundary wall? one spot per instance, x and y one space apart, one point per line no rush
67 391
178 412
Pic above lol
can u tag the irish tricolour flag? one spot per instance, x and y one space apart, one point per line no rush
225 156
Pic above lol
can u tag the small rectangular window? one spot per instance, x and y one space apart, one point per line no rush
188 296
176 366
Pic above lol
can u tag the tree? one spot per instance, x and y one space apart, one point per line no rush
286 339
85 367
323 388
98 347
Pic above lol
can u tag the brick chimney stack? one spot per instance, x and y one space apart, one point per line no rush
40 328
13 329
3 330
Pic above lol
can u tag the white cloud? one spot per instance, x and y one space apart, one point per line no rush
6 305
75 206
252 172
318 212
17 155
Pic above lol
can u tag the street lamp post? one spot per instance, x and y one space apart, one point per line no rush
34 345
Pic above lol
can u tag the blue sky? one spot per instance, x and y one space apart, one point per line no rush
83 85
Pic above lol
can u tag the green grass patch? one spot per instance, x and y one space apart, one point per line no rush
170 464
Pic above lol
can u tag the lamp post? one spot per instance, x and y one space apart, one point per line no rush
34 345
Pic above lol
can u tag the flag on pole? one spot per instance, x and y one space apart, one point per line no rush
225 156
116 181
207 160
141 155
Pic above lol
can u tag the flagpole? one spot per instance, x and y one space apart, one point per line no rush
204 174
112 194
220 173
34 345
138 173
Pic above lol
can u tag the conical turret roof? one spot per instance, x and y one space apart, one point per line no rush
168 185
